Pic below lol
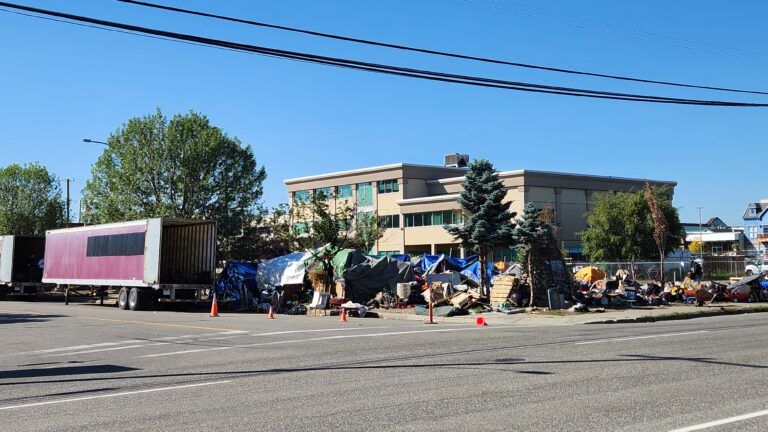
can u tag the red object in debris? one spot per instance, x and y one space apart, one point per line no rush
480 322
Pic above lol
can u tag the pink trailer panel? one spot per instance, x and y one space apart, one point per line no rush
98 255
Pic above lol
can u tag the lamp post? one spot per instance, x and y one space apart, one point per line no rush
88 140
701 238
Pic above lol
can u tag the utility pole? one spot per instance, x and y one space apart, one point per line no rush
68 200
701 238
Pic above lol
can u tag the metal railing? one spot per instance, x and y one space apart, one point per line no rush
673 270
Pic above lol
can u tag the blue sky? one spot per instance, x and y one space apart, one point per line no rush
62 83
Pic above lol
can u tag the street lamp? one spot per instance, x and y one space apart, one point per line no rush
88 140
701 238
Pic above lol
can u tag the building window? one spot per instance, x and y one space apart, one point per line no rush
364 194
324 193
389 253
388 186
301 197
344 191
301 228
389 221
437 218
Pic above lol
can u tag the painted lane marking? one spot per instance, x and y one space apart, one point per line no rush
107 349
305 340
619 339
112 395
223 330
722 421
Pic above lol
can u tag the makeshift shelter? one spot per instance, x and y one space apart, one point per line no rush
589 275
234 279
285 270
469 267
366 279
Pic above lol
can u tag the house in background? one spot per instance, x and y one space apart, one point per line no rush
716 236
756 227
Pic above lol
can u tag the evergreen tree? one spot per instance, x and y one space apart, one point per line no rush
487 219
531 232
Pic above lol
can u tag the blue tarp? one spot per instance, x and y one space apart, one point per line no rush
469 266
235 276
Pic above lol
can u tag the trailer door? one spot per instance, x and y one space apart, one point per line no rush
152 251
6 258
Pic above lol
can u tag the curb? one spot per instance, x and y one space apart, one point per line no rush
678 316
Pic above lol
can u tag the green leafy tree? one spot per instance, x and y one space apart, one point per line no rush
30 200
487 219
268 236
620 227
531 231
368 230
323 231
183 167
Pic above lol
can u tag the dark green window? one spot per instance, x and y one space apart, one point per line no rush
344 191
389 221
324 193
301 197
388 186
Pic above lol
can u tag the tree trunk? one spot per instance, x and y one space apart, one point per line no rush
328 282
484 289
529 264
661 268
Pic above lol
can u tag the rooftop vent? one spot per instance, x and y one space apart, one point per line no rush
457 160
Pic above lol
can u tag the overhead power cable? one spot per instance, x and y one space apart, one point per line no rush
380 68
611 32
552 11
433 52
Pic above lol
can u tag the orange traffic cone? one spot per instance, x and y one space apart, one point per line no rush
214 307
480 322
271 314
343 315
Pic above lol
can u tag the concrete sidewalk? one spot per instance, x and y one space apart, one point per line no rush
569 318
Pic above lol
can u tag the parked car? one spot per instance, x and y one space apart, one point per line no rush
754 268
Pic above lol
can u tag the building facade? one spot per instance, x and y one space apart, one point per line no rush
416 201
756 227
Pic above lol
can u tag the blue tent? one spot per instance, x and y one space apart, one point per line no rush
235 275
469 266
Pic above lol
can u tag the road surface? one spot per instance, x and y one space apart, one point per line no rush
92 368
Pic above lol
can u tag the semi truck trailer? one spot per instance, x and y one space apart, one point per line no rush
148 260
20 271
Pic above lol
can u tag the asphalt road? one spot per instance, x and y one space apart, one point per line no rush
96 368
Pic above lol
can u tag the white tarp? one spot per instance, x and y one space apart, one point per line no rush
285 270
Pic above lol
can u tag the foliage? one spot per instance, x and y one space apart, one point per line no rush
368 230
620 227
269 236
660 225
30 200
696 247
183 167
328 231
487 219
530 233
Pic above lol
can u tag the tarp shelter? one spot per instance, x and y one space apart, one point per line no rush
469 267
234 278
366 279
285 270
589 275
744 285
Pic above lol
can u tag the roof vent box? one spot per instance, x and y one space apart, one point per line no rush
457 160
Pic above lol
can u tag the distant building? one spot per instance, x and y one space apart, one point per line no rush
416 201
756 227
716 236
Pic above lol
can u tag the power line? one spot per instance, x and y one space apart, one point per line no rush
386 69
614 33
635 29
434 52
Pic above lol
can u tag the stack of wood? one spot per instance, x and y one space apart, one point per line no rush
503 286
465 299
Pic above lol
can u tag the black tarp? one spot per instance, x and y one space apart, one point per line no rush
367 278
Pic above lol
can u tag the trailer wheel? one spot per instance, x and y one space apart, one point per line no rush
122 298
134 300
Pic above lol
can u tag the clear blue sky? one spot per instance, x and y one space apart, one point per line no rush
61 83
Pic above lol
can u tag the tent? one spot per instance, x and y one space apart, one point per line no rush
469 266
366 279
235 276
589 275
285 270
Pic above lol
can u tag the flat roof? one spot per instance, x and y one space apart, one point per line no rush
558 174
366 170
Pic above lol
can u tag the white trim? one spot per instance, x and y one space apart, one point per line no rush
366 170
96 282
558 174
100 226
433 198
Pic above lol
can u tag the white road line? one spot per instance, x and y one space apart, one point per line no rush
107 349
618 339
722 421
286 342
112 395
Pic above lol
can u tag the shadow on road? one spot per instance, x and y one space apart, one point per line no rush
61 371
16 318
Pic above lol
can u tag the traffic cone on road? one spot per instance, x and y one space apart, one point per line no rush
214 307
480 322
271 314
343 315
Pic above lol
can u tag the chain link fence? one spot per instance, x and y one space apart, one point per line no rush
676 270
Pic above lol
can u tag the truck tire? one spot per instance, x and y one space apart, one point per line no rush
134 299
122 298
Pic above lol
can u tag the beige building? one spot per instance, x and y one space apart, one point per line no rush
415 201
